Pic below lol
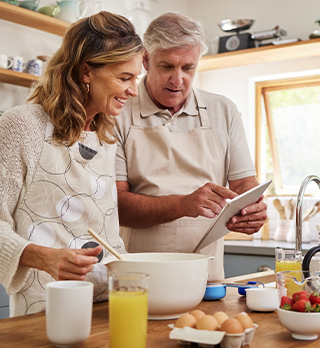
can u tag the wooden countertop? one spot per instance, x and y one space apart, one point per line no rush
30 331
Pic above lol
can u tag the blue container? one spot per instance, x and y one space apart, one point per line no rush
218 291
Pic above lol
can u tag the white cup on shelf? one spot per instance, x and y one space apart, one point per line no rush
34 67
17 63
5 61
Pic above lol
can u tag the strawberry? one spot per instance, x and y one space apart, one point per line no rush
302 306
314 298
297 296
315 307
286 303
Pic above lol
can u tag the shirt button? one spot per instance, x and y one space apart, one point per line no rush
168 123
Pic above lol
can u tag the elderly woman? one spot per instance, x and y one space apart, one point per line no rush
57 176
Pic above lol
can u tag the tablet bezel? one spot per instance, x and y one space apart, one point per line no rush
233 207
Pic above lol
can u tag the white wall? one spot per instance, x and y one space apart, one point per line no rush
297 17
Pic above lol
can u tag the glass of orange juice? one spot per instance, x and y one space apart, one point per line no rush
289 260
128 310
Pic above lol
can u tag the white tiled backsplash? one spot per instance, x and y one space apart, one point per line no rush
273 215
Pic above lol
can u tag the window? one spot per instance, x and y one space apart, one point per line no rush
288 131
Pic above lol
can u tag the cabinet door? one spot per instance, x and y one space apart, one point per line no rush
4 303
236 264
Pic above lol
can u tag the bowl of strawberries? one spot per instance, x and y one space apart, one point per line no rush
299 309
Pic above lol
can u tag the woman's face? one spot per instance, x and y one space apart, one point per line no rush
111 86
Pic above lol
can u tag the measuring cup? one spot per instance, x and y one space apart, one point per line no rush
288 260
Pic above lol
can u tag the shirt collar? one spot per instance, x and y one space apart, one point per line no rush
148 108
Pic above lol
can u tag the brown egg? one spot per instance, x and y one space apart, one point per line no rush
207 322
197 314
186 320
221 317
231 326
245 320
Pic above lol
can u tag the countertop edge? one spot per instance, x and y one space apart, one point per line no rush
261 247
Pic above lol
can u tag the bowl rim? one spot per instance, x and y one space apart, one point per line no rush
296 312
265 289
193 257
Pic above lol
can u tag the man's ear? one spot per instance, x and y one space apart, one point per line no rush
145 61
86 73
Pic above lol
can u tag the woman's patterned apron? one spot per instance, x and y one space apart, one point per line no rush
73 190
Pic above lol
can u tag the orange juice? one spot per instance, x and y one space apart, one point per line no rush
290 265
128 318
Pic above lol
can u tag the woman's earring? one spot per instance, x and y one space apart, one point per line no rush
88 88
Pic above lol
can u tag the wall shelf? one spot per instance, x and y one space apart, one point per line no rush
32 19
17 78
265 54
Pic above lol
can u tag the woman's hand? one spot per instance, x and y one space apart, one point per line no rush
61 264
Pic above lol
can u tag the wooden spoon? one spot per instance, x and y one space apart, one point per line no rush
106 245
312 211
293 208
287 209
280 208
306 216
315 210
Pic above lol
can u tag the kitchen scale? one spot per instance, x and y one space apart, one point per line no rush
237 41
240 41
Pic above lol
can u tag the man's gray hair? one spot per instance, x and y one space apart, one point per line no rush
171 30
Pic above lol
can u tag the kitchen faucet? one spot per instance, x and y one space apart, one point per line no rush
300 196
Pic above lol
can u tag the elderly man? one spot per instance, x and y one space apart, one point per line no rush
178 149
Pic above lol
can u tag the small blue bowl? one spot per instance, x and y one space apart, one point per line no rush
215 292
218 291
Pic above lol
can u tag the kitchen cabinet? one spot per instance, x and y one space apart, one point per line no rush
30 19
244 257
236 264
4 303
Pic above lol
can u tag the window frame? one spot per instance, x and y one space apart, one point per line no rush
261 101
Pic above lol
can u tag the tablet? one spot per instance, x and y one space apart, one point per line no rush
233 207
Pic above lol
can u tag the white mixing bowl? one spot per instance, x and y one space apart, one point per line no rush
303 326
177 280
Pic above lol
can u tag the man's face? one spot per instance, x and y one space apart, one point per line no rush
170 76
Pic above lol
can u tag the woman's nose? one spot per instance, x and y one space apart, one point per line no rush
133 90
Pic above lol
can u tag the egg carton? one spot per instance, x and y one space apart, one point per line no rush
204 338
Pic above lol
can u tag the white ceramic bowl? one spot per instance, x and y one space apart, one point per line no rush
303 326
262 299
177 280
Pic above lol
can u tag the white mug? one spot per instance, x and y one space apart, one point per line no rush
34 67
5 61
18 64
68 312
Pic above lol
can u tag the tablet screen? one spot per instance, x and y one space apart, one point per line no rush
233 207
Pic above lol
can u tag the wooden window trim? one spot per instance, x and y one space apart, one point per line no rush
261 90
